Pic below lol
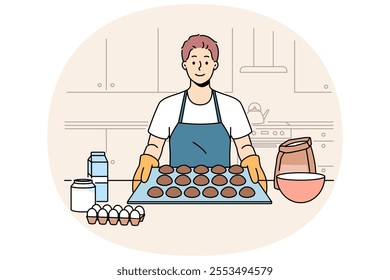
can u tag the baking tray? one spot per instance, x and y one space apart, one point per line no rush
140 195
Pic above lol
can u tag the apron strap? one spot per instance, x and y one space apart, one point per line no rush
217 107
183 105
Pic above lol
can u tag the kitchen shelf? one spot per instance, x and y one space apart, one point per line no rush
106 125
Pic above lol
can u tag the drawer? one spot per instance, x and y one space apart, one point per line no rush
328 170
315 134
326 147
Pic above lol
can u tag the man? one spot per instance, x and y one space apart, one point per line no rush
199 121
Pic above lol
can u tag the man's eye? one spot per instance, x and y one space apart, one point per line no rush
206 63
193 63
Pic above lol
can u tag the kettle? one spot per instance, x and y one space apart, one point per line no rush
255 115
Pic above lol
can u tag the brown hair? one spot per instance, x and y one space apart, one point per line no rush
199 41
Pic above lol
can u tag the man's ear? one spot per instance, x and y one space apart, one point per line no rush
184 65
216 64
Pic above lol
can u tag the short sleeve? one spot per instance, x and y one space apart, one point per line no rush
165 117
233 116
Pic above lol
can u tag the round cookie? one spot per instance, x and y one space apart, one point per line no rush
201 180
191 192
183 169
210 192
247 192
182 180
228 192
173 192
164 180
236 169
201 169
155 192
218 169
166 169
237 180
219 180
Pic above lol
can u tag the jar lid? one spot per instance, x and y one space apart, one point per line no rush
83 181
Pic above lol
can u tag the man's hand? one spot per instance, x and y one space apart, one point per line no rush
256 173
146 162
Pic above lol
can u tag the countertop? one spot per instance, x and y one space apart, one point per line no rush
207 229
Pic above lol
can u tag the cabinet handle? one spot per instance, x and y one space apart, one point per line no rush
323 134
323 145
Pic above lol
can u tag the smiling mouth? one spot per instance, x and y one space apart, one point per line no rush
200 75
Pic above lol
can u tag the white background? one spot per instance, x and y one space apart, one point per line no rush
348 239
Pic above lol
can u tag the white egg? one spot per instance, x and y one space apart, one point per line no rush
107 207
124 214
113 213
92 212
129 208
102 213
134 214
96 207
140 209
118 208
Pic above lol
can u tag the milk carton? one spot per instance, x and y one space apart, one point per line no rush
98 172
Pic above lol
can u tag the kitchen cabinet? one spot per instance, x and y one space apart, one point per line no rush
128 70
88 67
305 79
124 148
114 64
324 148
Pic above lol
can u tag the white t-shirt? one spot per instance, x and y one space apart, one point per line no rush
167 113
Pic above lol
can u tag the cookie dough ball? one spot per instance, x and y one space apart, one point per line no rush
173 192
201 180
164 180
183 169
155 192
201 169
210 192
247 192
236 169
219 180
166 169
237 180
228 192
182 180
191 192
218 169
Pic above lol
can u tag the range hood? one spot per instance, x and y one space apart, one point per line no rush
263 68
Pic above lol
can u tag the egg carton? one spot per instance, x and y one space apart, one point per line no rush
141 193
115 215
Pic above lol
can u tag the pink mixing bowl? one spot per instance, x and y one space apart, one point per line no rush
300 187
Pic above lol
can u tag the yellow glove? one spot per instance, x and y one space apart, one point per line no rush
146 162
255 171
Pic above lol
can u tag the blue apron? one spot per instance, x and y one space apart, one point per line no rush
195 144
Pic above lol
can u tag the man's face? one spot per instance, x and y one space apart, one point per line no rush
200 66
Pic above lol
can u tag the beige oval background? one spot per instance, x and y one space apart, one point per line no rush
109 89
